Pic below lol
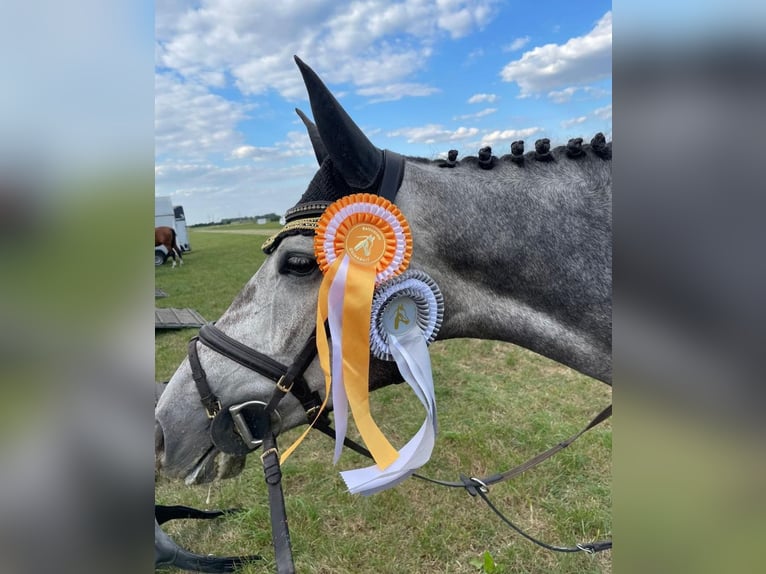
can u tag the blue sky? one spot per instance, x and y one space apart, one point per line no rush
419 76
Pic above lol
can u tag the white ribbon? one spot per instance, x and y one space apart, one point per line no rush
334 316
410 352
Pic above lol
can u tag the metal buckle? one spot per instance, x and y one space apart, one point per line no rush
281 386
216 409
272 450
313 413
483 487
243 428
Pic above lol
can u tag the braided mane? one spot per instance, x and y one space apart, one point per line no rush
574 149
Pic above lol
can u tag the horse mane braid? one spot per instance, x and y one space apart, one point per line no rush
543 150
600 147
575 149
486 159
517 152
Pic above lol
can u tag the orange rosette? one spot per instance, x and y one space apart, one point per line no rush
370 230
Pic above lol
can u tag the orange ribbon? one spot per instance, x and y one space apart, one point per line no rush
323 351
357 306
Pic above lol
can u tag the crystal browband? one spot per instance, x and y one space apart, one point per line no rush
304 226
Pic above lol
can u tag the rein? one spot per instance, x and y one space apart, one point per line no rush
480 486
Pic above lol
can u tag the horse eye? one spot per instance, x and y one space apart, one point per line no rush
296 264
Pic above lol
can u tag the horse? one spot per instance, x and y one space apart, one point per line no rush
166 237
520 246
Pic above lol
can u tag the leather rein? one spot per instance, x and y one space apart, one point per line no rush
241 428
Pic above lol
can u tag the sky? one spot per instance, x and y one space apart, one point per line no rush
420 77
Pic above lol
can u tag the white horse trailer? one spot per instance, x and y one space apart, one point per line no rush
167 215
181 232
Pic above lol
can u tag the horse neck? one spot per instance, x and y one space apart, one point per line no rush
522 254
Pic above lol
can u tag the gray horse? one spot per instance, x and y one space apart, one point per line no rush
520 246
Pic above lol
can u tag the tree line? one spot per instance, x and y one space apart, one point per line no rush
269 217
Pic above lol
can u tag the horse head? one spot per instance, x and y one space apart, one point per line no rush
275 313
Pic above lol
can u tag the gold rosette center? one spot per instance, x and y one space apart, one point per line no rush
365 244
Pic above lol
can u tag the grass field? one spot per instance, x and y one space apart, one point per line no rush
498 406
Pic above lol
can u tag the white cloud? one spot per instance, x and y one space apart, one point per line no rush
604 113
392 92
369 43
562 96
463 133
210 192
296 144
191 122
433 133
565 95
517 44
256 153
180 167
481 98
473 56
574 121
245 151
460 17
481 114
499 137
209 175
580 60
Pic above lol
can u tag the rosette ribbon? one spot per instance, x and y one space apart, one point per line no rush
361 240
406 315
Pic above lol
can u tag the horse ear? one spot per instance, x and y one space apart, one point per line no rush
358 161
316 142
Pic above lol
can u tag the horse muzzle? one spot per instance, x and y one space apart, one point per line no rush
195 467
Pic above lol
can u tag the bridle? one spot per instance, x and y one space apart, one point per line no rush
241 428
248 417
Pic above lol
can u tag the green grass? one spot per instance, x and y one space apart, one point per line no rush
213 273
498 406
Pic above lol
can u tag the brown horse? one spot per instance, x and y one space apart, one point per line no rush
166 237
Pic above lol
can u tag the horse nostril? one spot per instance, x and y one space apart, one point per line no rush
159 438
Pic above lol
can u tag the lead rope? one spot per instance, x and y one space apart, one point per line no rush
588 548
480 486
